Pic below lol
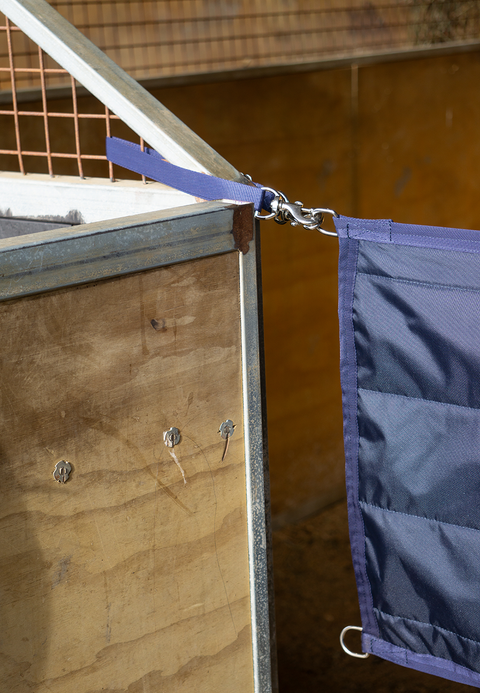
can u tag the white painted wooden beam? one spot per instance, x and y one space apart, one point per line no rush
37 196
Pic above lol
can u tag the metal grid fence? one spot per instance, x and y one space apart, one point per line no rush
28 64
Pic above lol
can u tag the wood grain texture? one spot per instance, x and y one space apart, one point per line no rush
125 578
308 141
406 148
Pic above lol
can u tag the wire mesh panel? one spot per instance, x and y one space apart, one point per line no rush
152 38
61 131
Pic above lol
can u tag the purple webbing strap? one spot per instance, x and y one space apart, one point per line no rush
150 163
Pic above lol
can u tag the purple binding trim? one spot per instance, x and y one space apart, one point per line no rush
151 164
387 231
421 662
347 272
351 232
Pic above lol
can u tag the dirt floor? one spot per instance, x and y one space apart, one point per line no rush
315 598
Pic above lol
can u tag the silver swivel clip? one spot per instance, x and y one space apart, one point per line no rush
283 210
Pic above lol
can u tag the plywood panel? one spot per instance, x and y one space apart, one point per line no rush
126 578
292 132
412 156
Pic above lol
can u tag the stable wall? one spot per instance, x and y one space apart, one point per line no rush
395 140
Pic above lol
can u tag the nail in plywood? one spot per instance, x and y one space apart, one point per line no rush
125 577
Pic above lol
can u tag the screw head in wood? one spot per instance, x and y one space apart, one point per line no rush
62 471
171 437
226 429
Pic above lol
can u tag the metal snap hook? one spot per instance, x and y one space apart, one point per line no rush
359 655
272 214
283 210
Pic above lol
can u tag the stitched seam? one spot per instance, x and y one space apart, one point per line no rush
361 231
433 239
372 235
430 625
420 399
415 282
419 517
365 578
432 660
417 235
458 246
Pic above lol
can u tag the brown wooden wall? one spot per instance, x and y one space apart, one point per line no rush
397 140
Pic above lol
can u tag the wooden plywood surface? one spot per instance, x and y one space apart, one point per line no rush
402 145
125 578
398 140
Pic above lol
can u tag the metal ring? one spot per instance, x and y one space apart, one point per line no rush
326 210
345 648
272 214
326 233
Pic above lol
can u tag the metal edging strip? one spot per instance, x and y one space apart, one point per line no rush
254 470
76 255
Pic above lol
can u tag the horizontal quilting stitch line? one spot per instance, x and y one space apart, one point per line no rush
423 623
418 517
428 285
459 245
420 399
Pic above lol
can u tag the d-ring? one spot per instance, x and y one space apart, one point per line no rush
345 648
326 210
272 214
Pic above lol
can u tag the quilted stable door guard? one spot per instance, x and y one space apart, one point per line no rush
409 306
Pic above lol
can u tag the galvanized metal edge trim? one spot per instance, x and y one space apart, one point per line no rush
254 469
64 257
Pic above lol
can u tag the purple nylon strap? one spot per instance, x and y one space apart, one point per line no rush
150 163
